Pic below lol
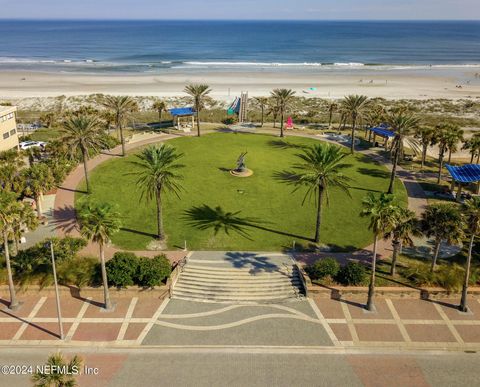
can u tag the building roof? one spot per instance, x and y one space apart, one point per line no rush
7 109
383 131
469 173
186 111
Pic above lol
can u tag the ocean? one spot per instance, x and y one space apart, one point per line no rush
176 46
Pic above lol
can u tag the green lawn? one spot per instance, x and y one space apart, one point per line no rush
274 214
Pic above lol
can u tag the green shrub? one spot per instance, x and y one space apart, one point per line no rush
450 277
322 268
352 274
122 269
80 272
152 272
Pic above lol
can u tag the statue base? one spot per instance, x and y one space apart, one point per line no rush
245 173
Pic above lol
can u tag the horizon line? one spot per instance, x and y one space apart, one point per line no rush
239 20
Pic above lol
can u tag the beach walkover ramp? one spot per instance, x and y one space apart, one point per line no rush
239 277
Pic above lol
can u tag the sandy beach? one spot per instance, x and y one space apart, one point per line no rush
390 85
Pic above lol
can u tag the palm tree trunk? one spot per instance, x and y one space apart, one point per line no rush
352 146
85 169
394 172
478 158
440 167
282 117
122 140
424 154
197 113
159 115
106 293
160 231
38 204
471 158
371 287
263 116
435 254
396 250
330 119
463 301
449 156
13 298
319 215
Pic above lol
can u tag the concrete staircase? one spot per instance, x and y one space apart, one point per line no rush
220 281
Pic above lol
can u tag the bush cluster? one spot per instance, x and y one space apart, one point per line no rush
352 274
126 269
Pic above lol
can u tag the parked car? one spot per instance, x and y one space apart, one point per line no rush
32 144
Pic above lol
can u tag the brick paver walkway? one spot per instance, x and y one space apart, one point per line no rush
317 322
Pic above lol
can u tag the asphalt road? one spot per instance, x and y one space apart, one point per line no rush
223 367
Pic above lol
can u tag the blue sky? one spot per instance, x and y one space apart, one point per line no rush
241 9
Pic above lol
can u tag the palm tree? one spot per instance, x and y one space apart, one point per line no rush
374 116
198 93
426 136
62 373
26 219
332 107
471 210
9 215
262 102
382 211
158 166
402 124
38 180
442 222
273 110
160 106
122 107
406 226
319 170
454 136
98 222
283 99
355 107
473 145
442 138
82 136
11 162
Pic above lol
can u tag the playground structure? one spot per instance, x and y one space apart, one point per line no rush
183 118
240 107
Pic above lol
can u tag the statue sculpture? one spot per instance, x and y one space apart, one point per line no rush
241 170
241 167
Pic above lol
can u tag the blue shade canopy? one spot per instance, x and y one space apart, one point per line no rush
383 131
187 111
469 173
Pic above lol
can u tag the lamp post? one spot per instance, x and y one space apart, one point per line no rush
59 313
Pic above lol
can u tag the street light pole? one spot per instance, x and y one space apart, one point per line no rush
59 313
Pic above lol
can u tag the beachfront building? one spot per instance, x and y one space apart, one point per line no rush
8 128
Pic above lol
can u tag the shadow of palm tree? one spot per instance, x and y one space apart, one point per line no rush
65 219
287 177
257 262
282 144
374 172
205 217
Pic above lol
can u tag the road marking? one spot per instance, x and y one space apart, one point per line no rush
128 316
351 326
78 319
152 321
449 324
398 320
327 327
32 314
